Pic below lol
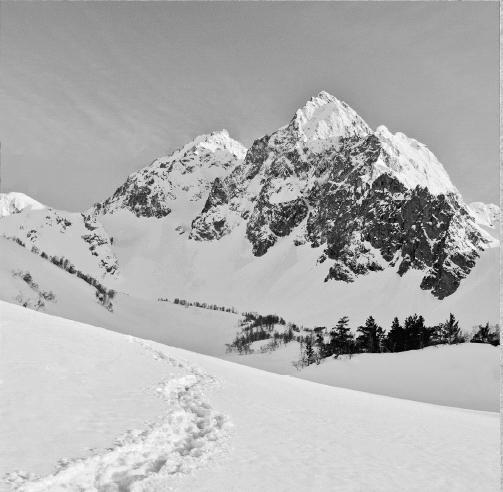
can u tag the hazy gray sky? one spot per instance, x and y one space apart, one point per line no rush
92 91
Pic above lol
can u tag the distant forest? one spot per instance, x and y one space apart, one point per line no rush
342 340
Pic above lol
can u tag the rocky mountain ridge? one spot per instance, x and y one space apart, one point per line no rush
364 201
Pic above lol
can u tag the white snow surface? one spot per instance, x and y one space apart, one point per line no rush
486 214
324 117
68 387
412 163
115 412
465 375
15 202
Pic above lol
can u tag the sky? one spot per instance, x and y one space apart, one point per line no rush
90 92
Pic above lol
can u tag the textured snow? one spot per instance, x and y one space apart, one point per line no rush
300 435
324 117
14 202
413 163
142 412
486 214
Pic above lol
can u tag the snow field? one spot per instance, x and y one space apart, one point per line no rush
188 433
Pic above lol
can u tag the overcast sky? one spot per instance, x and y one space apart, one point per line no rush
92 91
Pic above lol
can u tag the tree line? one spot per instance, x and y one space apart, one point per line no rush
412 334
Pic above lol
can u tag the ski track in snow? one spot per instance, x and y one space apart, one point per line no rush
190 434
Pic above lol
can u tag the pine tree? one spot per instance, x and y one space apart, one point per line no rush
450 332
341 338
309 352
322 347
371 336
395 341
486 335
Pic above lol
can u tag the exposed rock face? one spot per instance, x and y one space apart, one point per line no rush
370 200
187 173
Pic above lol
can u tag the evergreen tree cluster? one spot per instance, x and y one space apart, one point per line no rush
413 334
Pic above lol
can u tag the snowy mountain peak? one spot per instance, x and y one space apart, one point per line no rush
185 174
14 202
215 142
324 117
412 163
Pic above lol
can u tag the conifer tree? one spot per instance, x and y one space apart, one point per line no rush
486 335
371 336
395 340
341 338
309 352
450 332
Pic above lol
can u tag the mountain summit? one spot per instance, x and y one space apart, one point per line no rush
369 200
187 173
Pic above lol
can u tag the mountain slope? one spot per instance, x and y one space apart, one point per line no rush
300 435
77 238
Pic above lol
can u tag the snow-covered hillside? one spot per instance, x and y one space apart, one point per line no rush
487 216
54 291
72 390
78 238
465 375
14 202
156 261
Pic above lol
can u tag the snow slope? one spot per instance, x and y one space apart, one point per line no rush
156 261
14 203
281 434
465 375
76 391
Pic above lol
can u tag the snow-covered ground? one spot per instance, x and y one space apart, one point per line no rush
214 425
465 375
73 391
